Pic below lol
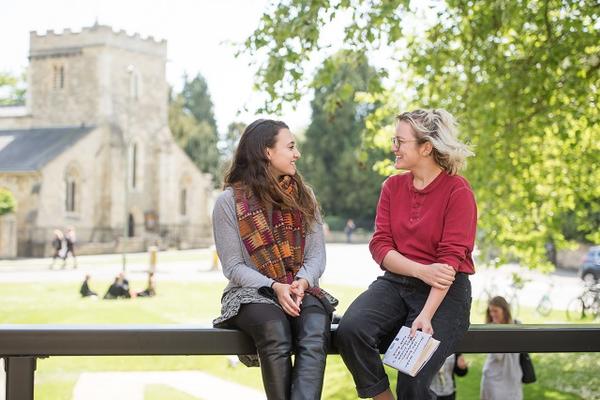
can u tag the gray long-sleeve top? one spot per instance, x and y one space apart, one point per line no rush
501 377
237 264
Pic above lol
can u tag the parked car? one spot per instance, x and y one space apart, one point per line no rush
590 268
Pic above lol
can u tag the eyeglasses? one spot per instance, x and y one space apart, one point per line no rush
397 142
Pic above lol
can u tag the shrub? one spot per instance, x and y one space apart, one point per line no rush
7 201
335 223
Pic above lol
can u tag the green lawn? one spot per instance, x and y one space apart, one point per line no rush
560 376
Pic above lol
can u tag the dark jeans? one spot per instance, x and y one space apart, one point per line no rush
375 317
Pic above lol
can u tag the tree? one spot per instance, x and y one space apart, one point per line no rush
12 89
522 77
193 125
197 100
7 201
232 137
333 161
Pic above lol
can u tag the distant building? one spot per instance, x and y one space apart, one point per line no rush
92 148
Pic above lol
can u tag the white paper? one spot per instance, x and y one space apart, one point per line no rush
405 352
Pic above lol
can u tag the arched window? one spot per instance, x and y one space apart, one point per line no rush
184 193
134 166
58 77
72 189
183 202
135 81
71 195
131 226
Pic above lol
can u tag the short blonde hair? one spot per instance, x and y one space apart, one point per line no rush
439 127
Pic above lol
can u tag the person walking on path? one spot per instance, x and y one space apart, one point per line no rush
269 237
425 232
70 240
59 246
349 229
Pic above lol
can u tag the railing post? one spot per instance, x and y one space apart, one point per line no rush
19 377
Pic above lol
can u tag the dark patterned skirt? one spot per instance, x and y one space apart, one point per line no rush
233 300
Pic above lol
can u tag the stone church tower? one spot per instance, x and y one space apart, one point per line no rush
92 147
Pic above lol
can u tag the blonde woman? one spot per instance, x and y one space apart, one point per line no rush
424 236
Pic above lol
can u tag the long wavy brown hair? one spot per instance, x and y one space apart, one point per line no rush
250 169
500 302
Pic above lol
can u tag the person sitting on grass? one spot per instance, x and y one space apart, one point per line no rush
150 290
119 288
85 288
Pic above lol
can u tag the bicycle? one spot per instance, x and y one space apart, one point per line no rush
512 296
588 300
491 290
544 306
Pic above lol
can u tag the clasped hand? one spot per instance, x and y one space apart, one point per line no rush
290 296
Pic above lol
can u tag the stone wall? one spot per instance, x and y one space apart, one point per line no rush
96 35
26 188
177 173
14 117
8 235
103 76
86 161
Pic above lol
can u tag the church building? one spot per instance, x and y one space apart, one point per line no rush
91 149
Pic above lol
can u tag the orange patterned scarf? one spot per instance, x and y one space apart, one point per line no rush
277 249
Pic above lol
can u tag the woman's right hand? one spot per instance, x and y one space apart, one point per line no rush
437 275
284 296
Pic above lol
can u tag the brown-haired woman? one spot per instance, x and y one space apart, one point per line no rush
269 238
501 377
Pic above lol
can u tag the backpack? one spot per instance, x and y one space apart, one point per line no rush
527 368
526 365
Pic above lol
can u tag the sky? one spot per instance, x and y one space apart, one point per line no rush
199 33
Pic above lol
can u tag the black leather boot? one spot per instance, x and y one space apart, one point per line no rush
312 338
273 341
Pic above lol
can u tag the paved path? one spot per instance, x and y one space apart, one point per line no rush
130 385
347 264
185 265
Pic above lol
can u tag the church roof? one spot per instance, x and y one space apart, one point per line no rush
27 150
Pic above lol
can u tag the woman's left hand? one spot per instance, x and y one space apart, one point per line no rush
285 299
297 288
423 323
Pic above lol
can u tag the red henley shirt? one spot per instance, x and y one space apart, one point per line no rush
434 225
